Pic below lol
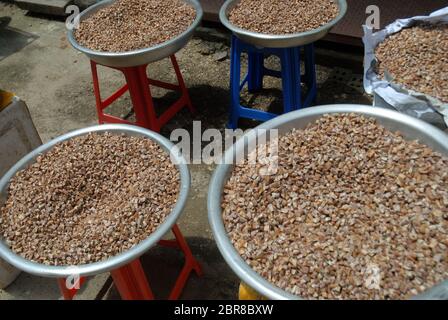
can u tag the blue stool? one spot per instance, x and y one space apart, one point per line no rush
290 75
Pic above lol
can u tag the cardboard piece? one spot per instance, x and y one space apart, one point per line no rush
18 136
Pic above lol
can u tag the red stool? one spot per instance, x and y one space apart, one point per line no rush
131 282
138 84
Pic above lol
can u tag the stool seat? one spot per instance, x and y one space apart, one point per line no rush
290 74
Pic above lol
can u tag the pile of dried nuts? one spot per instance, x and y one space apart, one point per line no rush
354 211
282 17
417 58
128 25
88 199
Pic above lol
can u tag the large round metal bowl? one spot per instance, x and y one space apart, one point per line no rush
122 258
410 127
141 56
276 40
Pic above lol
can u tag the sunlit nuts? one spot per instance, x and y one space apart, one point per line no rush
282 17
353 212
134 24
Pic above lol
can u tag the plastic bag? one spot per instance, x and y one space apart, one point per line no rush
407 101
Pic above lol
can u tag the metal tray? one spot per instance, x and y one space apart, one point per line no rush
122 258
275 40
140 56
410 127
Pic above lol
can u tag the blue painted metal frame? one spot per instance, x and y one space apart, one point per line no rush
290 74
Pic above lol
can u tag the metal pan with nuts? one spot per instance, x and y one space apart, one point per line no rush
114 209
267 23
355 210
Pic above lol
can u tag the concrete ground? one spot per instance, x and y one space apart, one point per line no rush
38 64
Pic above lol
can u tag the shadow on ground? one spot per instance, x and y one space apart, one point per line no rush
217 282
211 105
12 39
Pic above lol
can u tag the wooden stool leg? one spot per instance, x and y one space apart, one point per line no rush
190 264
133 80
96 91
131 282
147 98
182 85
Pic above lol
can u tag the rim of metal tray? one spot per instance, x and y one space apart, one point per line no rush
125 257
106 54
